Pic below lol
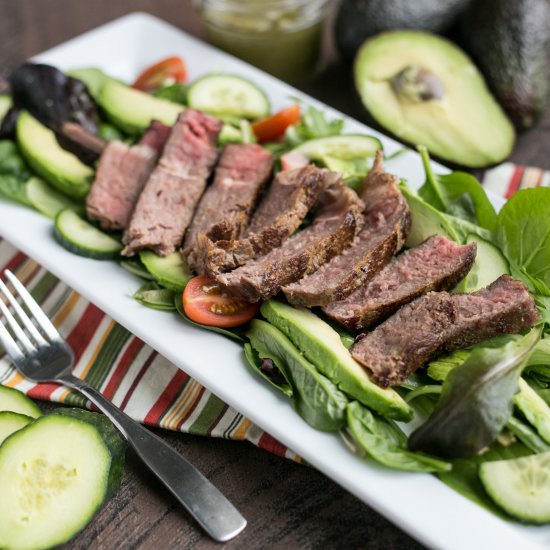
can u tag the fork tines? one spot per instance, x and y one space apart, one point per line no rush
22 343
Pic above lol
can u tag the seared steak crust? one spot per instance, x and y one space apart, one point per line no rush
439 322
225 208
435 264
166 205
289 198
338 221
387 225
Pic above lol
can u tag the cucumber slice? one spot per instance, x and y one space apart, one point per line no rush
53 475
111 437
46 199
11 422
82 238
520 486
15 401
489 265
228 95
347 147
169 271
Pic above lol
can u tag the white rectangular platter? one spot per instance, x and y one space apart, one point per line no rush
417 503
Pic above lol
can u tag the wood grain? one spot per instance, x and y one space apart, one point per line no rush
287 505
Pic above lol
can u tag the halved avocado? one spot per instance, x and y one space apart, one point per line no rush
426 91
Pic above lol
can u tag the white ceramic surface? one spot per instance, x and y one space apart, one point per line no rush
419 504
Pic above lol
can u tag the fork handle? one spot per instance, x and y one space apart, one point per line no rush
216 515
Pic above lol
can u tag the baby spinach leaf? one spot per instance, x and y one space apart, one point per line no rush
11 162
316 399
458 194
255 361
523 233
13 189
156 297
312 125
175 92
382 440
476 400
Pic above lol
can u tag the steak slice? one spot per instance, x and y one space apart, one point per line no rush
435 264
166 205
388 222
439 322
121 175
280 213
225 208
335 226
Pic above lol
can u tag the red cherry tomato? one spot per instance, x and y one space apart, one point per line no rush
152 78
205 302
273 127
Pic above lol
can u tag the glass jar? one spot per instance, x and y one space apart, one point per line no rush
282 37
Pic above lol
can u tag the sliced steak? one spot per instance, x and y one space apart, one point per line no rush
435 264
121 175
439 322
289 198
387 225
166 205
156 136
225 208
337 222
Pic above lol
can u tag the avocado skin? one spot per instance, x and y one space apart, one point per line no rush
510 41
357 20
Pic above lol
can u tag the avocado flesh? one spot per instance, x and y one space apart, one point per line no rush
321 345
61 169
133 110
465 125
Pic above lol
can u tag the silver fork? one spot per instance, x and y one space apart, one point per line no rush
44 356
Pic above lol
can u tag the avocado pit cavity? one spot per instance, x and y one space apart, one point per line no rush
417 84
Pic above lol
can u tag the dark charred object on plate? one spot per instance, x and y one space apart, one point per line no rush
360 19
54 98
510 41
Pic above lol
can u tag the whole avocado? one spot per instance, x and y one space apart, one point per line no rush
360 19
510 41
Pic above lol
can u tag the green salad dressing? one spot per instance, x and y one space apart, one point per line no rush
283 38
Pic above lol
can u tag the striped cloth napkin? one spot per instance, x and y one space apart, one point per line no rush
135 377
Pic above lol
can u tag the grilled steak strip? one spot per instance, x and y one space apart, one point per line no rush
387 225
439 322
435 264
335 226
225 208
280 213
121 175
166 205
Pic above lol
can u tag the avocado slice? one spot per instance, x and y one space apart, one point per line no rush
58 167
510 40
321 345
426 91
133 110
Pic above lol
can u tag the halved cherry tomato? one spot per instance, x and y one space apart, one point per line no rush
205 302
152 78
273 127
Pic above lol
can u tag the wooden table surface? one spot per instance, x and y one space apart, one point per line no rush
286 505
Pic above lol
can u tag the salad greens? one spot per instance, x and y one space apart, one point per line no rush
476 400
485 403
